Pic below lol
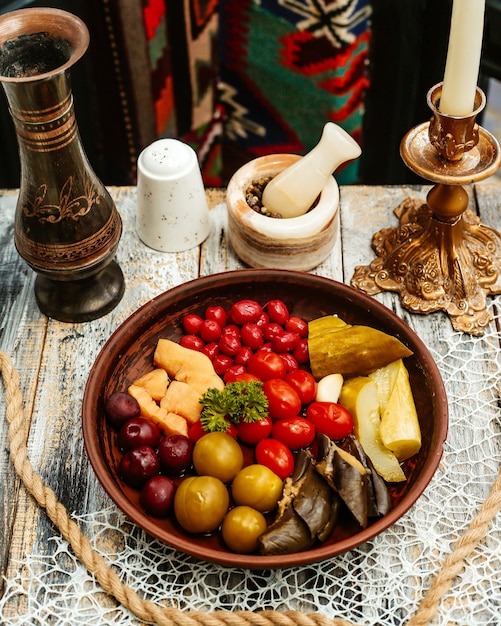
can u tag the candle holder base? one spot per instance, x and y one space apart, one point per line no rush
436 265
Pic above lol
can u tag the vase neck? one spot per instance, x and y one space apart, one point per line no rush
42 112
38 100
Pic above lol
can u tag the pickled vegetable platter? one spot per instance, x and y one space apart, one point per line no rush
128 354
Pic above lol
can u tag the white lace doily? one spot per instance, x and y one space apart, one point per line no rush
380 583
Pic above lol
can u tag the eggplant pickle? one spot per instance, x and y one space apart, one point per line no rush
350 473
379 496
312 496
307 511
346 475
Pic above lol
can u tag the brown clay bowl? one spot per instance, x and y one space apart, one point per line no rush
128 354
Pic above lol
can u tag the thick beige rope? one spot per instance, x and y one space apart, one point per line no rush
166 616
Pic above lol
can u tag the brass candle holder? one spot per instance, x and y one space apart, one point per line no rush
441 257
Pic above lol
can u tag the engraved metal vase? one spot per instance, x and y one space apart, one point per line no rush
67 227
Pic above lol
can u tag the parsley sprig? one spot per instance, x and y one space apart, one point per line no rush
242 401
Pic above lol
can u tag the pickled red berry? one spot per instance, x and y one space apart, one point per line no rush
211 350
193 342
301 352
192 324
175 453
120 407
210 331
233 372
297 325
216 313
138 465
229 345
221 363
245 311
138 432
271 330
278 311
285 342
252 335
157 496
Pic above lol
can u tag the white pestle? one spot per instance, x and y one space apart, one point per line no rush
292 192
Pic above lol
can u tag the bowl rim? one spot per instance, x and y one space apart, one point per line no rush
230 559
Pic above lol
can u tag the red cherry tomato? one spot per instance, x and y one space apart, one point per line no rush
266 365
245 311
192 341
301 353
276 456
252 432
304 383
210 331
192 324
216 313
286 341
330 419
297 325
196 431
294 432
251 335
278 311
283 400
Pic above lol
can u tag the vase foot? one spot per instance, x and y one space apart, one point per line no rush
81 300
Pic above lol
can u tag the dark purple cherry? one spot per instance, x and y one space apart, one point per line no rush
138 465
121 407
157 496
175 453
138 432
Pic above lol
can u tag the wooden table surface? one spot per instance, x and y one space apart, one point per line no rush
54 359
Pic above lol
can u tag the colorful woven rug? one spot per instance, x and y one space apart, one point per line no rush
253 77
289 66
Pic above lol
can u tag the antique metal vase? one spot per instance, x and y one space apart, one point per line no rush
67 227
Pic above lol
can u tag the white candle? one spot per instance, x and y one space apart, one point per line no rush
463 57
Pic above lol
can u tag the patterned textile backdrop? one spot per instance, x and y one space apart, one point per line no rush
233 78
286 68
181 39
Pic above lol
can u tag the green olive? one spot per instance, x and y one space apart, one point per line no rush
218 454
241 529
257 486
200 503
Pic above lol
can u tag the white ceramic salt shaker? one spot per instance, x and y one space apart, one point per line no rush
172 211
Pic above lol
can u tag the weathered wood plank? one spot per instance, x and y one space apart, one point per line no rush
22 335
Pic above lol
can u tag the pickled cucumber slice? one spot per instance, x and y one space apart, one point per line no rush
400 431
385 379
353 351
328 323
359 395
